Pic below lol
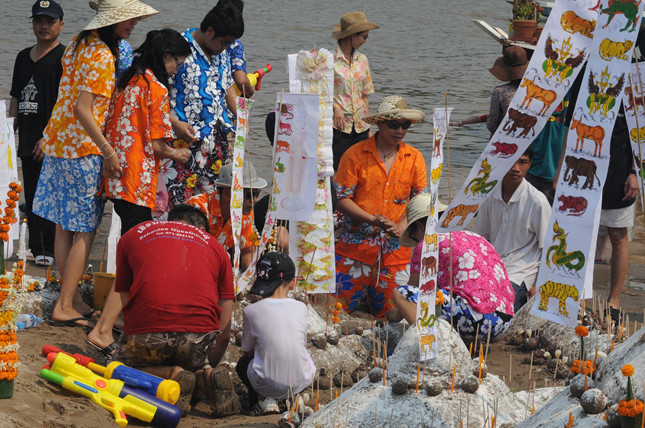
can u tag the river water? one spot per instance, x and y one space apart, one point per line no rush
423 50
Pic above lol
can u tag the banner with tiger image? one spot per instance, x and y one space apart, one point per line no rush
634 104
554 66
429 266
566 265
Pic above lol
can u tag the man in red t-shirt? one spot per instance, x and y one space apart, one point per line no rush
175 285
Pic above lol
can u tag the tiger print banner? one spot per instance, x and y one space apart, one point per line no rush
557 60
566 264
634 103
426 315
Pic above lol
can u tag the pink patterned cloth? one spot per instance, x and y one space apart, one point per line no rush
478 271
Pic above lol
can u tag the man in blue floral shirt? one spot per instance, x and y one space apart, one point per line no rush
198 95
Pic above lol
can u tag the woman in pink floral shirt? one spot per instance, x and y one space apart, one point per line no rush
352 83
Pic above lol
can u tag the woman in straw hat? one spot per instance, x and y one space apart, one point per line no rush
482 293
352 83
375 180
76 150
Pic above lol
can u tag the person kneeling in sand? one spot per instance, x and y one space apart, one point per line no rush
275 363
174 284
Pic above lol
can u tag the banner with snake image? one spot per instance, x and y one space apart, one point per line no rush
634 103
554 66
237 189
565 274
426 314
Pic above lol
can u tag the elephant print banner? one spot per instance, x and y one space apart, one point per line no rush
557 60
634 103
237 190
312 72
296 155
567 259
426 315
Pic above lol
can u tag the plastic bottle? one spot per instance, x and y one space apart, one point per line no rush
27 320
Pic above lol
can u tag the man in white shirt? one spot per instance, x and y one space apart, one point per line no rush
515 219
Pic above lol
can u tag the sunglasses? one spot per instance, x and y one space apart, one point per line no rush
393 124
179 63
364 36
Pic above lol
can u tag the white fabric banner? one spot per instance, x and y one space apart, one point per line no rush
634 103
237 188
8 173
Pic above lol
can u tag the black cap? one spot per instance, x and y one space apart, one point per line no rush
273 269
48 8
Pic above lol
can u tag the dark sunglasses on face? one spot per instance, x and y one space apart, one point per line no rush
364 36
393 124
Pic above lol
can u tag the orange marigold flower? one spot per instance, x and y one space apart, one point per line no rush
5 228
4 237
338 305
11 203
9 211
12 195
439 299
631 408
628 370
582 331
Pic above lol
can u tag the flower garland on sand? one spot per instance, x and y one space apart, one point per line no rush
336 312
631 407
582 365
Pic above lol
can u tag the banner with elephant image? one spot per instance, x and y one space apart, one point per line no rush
426 300
634 103
567 259
558 58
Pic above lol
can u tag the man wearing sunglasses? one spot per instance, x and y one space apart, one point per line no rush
375 180
217 207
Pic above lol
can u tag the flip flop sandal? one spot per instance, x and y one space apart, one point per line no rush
73 322
107 351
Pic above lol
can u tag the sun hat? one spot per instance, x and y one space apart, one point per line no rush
48 8
114 11
352 23
418 208
273 269
511 65
226 177
394 107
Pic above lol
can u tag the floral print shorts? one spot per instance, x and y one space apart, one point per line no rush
67 192
357 282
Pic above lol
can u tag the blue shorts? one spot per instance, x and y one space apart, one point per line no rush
67 192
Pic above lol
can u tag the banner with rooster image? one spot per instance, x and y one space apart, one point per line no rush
426 312
634 103
567 259
558 58
237 189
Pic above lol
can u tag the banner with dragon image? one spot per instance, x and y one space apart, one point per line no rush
296 155
568 248
634 103
237 189
426 315
558 59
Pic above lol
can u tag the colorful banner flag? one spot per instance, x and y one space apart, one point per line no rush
567 259
426 316
557 60
634 103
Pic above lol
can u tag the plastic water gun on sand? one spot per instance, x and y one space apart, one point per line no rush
256 78
111 394
164 389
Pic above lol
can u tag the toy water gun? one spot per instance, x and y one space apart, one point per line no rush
111 394
256 78
164 389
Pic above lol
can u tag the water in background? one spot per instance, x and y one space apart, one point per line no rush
424 49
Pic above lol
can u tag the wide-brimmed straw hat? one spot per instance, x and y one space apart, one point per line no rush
114 11
417 208
511 65
225 178
394 107
352 23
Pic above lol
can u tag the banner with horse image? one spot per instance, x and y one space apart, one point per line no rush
312 72
554 66
296 155
565 265
634 103
237 189
8 172
426 316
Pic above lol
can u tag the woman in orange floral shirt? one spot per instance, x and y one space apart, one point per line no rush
138 122
76 151
375 181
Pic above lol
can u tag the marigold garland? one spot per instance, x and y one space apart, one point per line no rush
583 367
337 307
8 338
631 408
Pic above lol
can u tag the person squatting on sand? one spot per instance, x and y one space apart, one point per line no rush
482 293
375 180
275 363
34 88
76 150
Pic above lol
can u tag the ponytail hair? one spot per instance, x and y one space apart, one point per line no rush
150 55
107 36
